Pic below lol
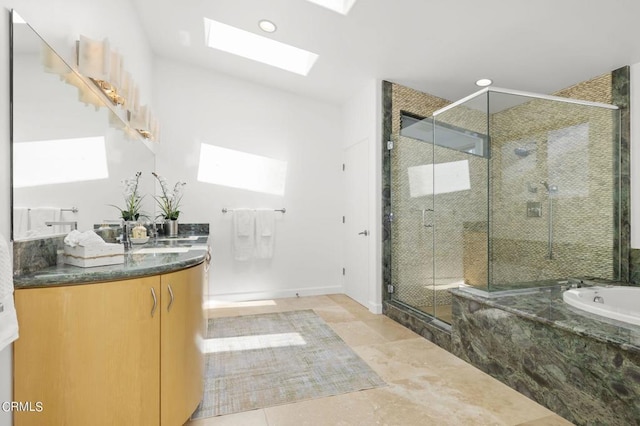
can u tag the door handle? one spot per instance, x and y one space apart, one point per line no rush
170 301
365 233
155 301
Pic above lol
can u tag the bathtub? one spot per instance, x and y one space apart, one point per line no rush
621 303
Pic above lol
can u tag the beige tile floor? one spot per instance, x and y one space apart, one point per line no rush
426 384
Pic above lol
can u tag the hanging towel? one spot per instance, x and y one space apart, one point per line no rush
8 317
265 233
20 222
37 218
243 234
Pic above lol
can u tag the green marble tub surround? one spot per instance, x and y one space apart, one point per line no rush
136 263
634 267
583 367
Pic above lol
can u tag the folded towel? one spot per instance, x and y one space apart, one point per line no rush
243 234
8 317
265 233
37 218
20 222
83 239
244 222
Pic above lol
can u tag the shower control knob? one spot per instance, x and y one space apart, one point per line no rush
365 233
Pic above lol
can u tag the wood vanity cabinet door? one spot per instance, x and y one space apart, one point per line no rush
182 331
89 354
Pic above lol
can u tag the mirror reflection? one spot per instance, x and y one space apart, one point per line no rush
71 151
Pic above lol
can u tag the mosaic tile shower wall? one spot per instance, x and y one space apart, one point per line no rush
570 147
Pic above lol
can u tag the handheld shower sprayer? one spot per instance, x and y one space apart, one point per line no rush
551 189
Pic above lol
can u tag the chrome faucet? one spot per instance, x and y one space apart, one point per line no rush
72 223
125 235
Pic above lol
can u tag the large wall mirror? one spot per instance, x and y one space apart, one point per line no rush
70 149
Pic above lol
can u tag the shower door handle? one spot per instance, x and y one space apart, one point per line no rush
365 233
424 213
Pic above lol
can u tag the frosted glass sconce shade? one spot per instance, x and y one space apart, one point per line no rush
140 119
94 58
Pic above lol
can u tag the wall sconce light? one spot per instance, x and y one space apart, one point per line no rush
144 122
102 66
105 69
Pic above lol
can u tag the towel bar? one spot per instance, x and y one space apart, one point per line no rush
282 210
72 209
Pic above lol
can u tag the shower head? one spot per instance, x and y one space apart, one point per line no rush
526 149
522 152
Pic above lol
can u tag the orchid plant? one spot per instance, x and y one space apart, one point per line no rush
132 199
169 201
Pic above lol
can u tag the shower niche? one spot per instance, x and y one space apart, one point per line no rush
503 190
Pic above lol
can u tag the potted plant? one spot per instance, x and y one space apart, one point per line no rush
132 199
169 203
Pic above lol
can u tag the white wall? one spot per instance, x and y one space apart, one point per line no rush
362 118
635 156
198 106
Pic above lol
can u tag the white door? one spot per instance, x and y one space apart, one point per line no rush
356 222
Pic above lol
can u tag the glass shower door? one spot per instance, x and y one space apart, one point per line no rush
440 204
412 221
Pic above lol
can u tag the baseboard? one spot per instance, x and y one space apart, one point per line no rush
375 308
274 294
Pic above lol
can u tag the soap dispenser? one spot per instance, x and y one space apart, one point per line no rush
139 231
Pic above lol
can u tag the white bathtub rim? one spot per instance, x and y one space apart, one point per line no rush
572 297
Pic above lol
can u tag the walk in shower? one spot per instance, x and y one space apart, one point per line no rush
503 190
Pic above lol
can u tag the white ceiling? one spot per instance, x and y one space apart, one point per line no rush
438 46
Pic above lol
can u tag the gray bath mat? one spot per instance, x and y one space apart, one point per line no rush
258 361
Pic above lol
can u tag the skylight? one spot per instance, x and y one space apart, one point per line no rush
258 48
340 6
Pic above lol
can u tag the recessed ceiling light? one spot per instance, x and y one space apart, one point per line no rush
258 48
340 6
267 26
484 82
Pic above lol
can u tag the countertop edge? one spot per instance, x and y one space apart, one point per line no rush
94 278
136 265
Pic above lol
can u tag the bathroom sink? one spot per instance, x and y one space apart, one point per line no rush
158 250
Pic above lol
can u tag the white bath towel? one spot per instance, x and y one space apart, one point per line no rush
20 222
84 239
37 218
243 234
265 233
8 317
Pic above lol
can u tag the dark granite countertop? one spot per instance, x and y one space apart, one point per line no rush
193 249
545 305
